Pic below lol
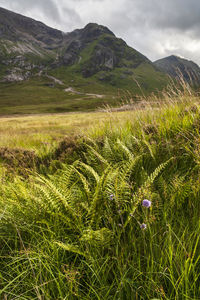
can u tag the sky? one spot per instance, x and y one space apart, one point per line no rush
156 28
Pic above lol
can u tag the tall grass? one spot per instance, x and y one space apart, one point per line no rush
76 233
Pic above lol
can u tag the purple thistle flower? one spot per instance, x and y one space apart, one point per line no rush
146 203
143 226
111 197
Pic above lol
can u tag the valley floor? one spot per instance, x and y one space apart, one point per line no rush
73 220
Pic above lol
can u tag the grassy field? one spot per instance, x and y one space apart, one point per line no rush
32 132
36 96
73 224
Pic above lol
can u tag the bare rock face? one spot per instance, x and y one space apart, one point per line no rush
72 52
16 74
102 59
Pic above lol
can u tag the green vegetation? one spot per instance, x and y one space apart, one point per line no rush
71 213
37 96
42 95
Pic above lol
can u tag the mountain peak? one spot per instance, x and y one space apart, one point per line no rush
175 57
175 66
94 30
100 28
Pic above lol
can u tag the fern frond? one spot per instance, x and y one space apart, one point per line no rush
98 156
98 196
85 183
125 150
70 248
54 195
101 237
156 172
88 169
149 148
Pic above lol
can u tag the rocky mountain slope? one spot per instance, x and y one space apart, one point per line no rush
29 47
177 67
26 46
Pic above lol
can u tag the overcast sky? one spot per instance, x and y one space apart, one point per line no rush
156 28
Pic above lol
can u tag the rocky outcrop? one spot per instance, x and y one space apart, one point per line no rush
109 53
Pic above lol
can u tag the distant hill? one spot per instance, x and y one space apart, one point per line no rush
85 61
176 66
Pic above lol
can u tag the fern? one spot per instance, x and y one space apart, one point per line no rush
107 150
86 185
71 248
124 150
89 170
101 237
96 156
98 197
55 195
156 172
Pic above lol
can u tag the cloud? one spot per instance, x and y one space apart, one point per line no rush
156 28
34 7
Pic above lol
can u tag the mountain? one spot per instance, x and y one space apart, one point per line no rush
26 46
38 60
177 67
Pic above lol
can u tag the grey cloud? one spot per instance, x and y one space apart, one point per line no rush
52 12
36 7
71 19
154 27
176 14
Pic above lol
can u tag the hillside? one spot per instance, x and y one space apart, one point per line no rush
177 67
38 60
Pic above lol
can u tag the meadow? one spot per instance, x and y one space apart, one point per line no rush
73 221
43 95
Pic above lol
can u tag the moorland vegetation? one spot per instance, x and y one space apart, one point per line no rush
73 221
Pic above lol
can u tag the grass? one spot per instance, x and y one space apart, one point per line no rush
32 132
35 96
62 234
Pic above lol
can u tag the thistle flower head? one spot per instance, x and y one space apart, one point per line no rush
111 197
146 203
143 226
